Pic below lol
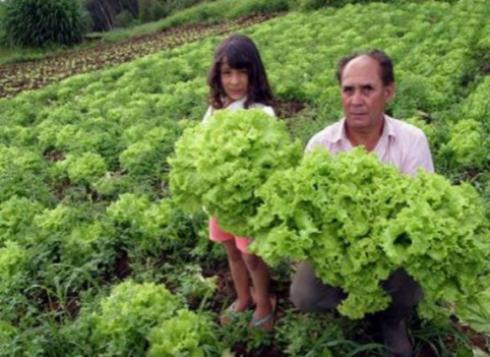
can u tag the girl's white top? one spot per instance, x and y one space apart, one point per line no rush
239 104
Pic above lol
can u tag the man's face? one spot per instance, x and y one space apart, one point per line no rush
364 95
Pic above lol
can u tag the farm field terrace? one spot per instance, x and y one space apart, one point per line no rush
87 225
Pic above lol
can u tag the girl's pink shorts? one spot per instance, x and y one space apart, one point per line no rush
216 234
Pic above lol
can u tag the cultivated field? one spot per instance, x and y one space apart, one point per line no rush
95 257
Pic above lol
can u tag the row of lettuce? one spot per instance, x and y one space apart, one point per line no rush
83 164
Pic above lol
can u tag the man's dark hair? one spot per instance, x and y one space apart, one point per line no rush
385 64
241 53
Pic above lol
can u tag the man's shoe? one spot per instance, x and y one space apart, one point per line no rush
396 338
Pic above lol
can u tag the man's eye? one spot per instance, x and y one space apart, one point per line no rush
348 90
367 89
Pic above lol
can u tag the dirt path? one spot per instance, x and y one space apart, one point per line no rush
18 77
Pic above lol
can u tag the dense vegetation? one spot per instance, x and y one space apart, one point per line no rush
35 23
84 179
106 15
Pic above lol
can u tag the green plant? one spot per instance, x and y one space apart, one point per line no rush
22 174
190 282
13 259
38 22
357 221
151 10
128 314
16 215
220 164
124 19
85 169
476 313
146 156
3 34
8 335
311 335
467 144
187 333
15 278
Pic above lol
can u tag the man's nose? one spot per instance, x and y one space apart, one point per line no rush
357 98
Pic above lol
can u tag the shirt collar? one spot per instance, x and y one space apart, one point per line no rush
388 129
340 134
240 103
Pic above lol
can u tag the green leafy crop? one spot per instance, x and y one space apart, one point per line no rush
128 315
187 334
357 221
469 143
220 164
16 215
151 227
85 169
146 156
22 173
13 259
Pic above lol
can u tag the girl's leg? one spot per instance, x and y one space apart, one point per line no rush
239 274
259 272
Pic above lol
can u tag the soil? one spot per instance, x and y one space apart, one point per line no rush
54 155
288 109
122 265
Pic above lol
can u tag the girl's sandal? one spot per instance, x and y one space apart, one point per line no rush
266 323
230 314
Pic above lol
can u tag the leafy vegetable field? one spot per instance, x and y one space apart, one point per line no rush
95 256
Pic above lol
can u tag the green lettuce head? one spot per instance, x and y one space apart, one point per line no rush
357 221
221 163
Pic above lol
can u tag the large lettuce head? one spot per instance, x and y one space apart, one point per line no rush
357 221
221 163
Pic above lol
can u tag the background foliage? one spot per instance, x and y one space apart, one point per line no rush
39 22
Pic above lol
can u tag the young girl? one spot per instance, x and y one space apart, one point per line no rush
237 80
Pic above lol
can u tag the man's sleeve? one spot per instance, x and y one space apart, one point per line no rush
420 157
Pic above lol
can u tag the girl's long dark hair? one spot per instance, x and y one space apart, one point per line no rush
240 53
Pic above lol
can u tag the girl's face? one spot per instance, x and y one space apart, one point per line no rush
234 82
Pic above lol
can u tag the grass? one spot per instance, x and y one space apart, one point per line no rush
15 55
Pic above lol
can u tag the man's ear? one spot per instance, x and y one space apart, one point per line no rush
389 92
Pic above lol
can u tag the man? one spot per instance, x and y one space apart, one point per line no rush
367 84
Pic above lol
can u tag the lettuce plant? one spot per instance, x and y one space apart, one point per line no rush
187 334
220 164
357 221
468 145
128 314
